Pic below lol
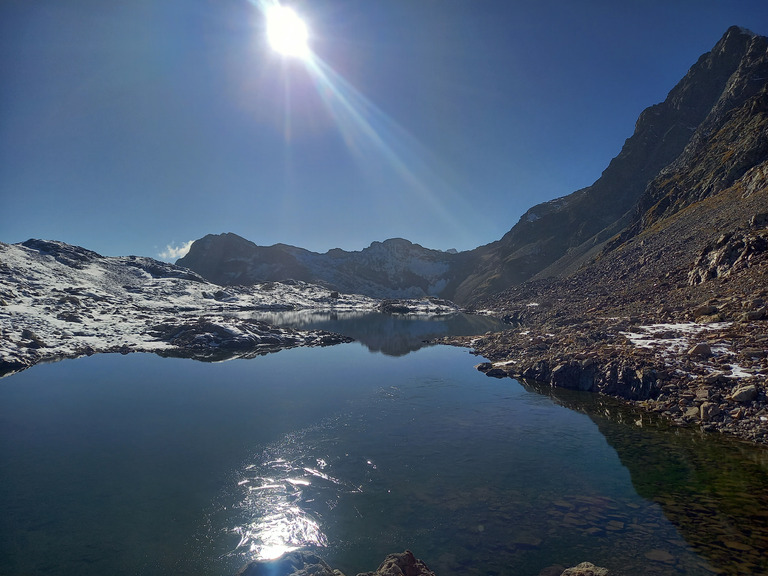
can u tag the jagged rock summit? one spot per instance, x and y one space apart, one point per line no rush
557 237
706 136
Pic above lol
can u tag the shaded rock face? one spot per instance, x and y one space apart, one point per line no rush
395 268
702 122
729 254
731 141
228 259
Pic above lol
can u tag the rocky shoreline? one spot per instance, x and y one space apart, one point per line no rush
696 363
712 376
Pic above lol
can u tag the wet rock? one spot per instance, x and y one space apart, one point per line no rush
658 555
489 370
573 376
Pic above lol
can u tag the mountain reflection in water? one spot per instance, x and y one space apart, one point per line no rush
712 489
396 335
142 465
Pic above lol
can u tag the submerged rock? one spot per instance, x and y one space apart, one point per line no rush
293 563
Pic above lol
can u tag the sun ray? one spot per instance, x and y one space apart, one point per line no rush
366 130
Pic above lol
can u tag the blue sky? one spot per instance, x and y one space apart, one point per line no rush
132 125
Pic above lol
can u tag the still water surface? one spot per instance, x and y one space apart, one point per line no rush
142 465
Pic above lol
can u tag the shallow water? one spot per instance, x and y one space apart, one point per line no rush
142 465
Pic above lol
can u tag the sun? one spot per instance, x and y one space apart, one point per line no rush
287 33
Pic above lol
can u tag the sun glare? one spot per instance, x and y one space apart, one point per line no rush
287 33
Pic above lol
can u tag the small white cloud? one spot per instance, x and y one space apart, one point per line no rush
175 252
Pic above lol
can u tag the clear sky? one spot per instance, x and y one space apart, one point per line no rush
129 126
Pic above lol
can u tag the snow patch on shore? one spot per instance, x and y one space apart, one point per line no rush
674 340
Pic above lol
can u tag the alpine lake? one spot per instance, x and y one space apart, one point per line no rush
142 465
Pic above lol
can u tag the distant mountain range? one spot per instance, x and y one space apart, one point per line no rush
394 268
707 136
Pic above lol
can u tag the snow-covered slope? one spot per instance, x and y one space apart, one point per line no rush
60 301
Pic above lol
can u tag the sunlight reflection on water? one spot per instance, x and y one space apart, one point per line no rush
283 495
276 519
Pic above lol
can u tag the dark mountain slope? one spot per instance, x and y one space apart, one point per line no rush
228 259
395 268
731 141
575 223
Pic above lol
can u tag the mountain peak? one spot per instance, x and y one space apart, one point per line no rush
740 30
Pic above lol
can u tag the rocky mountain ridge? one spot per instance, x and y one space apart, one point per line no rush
710 119
395 268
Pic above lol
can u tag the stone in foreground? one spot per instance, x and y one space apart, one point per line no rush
398 564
